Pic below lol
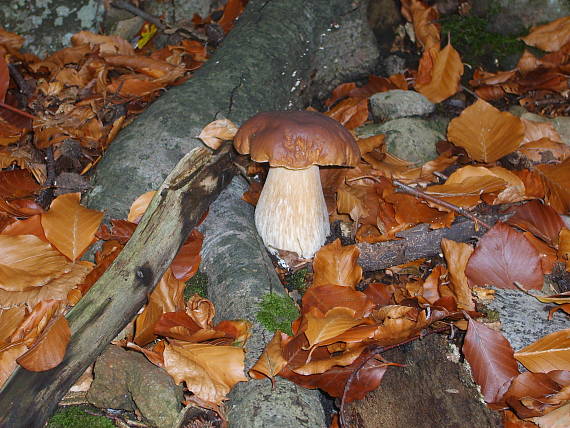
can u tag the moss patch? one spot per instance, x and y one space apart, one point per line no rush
79 417
198 284
477 45
277 312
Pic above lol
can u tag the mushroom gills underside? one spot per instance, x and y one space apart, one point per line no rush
291 213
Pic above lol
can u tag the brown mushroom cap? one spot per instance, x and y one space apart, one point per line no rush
296 140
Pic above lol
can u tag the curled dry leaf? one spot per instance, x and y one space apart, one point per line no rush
27 262
486 133
321 328
539 219
69 226
534 131
559 418
8 356
557 181
271 360
551 352
490 356
139 206
209 371
337 264
49 349
329 296
218 131
457 255
550 37
503 256
445 76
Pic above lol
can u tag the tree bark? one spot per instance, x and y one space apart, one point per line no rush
432 390
28 398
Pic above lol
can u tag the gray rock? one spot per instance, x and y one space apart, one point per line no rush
399 103
409 138
127 380
48 25
515 16
393 64
524 318
352 45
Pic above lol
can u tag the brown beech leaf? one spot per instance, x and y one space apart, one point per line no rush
351 112
186 262
139 206
545 149
29 226
503 256
490 356
339 359
271 361
550 37
445 76
558 418
551 352
527 385
218 131
534 131
69 226
457 255
557 180
18 183
539 219
209 371
27 262
49 349
8 357
337 264
10 319
329 296
336 321
564 247
486 133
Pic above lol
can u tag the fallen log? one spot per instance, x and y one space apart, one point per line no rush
420 242
28 398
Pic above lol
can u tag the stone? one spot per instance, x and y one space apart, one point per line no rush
399 103
127 380
409 138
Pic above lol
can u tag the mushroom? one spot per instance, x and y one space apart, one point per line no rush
291 213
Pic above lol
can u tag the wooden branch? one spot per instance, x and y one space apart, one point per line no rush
420 242
28 398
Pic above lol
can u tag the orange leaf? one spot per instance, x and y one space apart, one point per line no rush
551 352
49 349
69 226
539 219
337 264
445 76
27 262
271 360
208 371
503 256
336 321
218 131
139 206
8 358
350 112
550 37
486 133
557 180
186 262
457 255
490 356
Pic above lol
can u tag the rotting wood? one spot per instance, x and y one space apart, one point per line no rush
420 242
28 398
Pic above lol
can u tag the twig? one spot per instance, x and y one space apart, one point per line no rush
445 204
20 81
373 351
121 4
46 195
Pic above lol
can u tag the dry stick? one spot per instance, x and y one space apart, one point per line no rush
445 204
373 351
121 4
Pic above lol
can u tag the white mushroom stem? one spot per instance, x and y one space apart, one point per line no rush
291 213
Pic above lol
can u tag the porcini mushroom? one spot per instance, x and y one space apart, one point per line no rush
291 213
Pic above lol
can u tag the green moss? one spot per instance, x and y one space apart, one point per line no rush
298 281
198 284
477 45
78 417
277 312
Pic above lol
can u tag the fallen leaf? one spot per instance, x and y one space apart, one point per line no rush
322 327
539 219
337 264
69 226
557 180
445 76
139 206
486 133
503 256
457 255
208 371
490 356
551 352
218 131
271 361
550 37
